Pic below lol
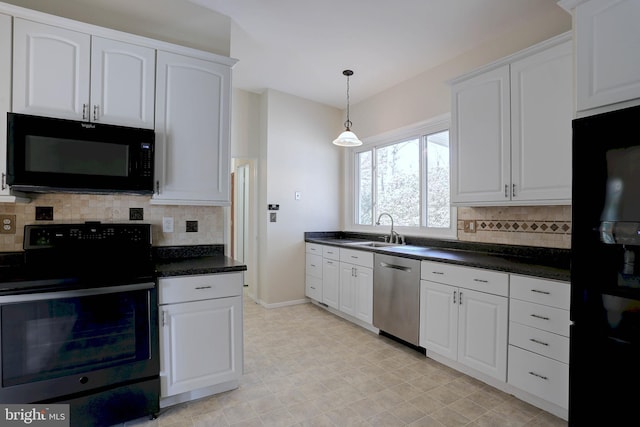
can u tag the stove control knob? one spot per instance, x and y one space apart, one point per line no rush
84 380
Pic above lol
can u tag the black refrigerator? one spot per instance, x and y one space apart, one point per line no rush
604 373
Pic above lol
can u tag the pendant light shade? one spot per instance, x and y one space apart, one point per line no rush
347 138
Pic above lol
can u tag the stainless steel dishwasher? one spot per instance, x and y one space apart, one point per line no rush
396 297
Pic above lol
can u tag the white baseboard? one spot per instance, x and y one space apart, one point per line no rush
280 304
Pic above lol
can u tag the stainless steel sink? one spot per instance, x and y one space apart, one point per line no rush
373 244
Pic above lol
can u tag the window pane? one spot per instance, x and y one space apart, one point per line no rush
438 214
365 173
398 182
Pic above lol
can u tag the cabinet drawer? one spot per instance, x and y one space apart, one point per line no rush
193 288
539 341
542 291
314 287
331 252
478 279
539 375
314 265
540 316
362 258
313 248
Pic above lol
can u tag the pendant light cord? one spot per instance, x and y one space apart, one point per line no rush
348 123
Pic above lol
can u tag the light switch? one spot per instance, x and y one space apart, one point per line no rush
167 224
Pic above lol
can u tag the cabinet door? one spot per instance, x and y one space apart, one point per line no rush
331 283
482 332
439 318
50 71
201 344
541 114
348 288
364 294
5 96
607 60
122 83
480 138
192 131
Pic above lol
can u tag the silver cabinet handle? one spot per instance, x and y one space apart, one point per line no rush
84 111
4 181
460 297
506 189
513 190
540 292
537 316
538 375
437 272
454 296
481 280
157 187
312 265
203 287
95 112
538 342
164 318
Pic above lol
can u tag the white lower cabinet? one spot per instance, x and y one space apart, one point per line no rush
313 271
463 323
539 338
356 284
201 335
341 279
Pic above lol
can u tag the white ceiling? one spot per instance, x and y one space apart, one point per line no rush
301 47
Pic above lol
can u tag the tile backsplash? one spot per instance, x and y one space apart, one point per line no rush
70 208
545 226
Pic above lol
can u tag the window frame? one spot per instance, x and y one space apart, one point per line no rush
419 131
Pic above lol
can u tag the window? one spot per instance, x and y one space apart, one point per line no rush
407 177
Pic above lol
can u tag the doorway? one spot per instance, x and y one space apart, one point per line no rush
244 220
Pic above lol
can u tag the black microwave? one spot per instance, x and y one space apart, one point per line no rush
56 155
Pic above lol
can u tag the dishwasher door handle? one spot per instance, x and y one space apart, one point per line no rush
394 266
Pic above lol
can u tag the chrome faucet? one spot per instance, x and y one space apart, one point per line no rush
393 236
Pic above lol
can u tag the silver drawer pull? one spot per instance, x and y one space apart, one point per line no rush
312 265
540 292
538 342
354 257
203 287
437 272
481 280
538 375
537 316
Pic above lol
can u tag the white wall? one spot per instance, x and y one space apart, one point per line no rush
428 94
296 154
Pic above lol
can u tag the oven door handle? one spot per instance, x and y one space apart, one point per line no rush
75 293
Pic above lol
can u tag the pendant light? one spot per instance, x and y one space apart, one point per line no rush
347 138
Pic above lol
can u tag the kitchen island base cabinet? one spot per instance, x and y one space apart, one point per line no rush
201 335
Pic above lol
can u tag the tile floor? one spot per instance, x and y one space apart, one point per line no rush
306 367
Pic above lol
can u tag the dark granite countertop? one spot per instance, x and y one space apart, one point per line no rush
191 260
168 261
548 263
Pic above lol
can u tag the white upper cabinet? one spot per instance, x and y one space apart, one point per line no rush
122 83
72 75
481 158
607 37
192 131
50 70
511 129
5 99
541 114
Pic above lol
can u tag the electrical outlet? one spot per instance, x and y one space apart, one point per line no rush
167 224
272 217
7 224
469 225
298 195
192 226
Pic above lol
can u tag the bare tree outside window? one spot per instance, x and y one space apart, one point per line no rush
408 179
